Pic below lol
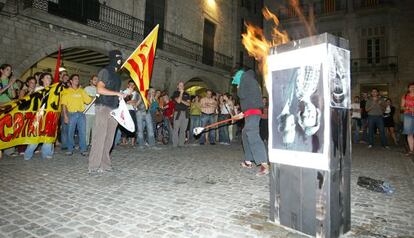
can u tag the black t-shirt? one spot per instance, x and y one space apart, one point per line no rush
112 82
364 113
181 106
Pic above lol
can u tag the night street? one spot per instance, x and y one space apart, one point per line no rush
196 191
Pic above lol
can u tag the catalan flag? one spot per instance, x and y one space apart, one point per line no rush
140 62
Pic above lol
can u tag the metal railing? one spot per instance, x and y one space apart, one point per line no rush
372 4
383 64
124 25
322 8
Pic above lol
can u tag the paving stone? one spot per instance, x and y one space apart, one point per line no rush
189 192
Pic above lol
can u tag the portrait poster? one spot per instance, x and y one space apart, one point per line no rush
299 107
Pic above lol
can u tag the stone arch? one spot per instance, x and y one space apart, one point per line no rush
98 46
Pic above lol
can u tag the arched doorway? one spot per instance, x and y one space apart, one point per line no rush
74 60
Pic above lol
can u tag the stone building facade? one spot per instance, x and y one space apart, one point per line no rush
33 29
380 33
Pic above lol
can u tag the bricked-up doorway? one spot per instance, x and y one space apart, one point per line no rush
208 42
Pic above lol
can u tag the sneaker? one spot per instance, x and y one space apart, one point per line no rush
69 153
370 146
245 164
386 147
49 157
84 153
264 170
225 143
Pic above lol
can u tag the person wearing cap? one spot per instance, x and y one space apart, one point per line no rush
251 104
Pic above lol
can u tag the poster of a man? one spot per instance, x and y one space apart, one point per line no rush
297 109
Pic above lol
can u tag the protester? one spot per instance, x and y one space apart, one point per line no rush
181 115
407 104
168 108
73 102
264 120
356 118
144 119
251 105
131 101
7 84
375 109
47 148
195 114
208 112
364 117
226 111
90 113
388 117
108 86
29 88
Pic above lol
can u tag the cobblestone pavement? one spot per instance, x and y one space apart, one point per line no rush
197 191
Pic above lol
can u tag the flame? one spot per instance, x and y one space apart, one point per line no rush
256 44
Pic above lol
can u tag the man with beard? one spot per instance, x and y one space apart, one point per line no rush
108 88
251 106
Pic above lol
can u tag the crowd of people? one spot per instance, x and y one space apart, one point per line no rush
177 114
373 114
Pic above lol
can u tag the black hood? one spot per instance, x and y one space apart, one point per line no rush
114 56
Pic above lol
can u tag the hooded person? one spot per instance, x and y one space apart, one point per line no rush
251 105
108 88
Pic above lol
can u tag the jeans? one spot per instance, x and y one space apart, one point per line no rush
364 125
207 119
180 127
356 126
373 123
195 121
47 150
77 120
63 133
224 129
143 116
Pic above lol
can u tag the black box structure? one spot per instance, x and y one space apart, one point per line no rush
309 135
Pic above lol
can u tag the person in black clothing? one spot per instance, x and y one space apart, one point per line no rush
389 120
251 105
364 117
108 87
182 103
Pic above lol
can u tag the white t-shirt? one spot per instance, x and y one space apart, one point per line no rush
91 91
356 113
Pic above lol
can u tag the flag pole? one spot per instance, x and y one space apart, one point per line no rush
156 27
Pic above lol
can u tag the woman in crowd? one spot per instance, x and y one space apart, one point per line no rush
7 84
407 104
195 115
389 120
47 148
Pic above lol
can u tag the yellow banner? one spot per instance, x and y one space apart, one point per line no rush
32 119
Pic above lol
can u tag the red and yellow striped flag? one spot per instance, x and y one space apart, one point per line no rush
140 62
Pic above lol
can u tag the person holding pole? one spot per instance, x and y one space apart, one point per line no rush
251 106
108 87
